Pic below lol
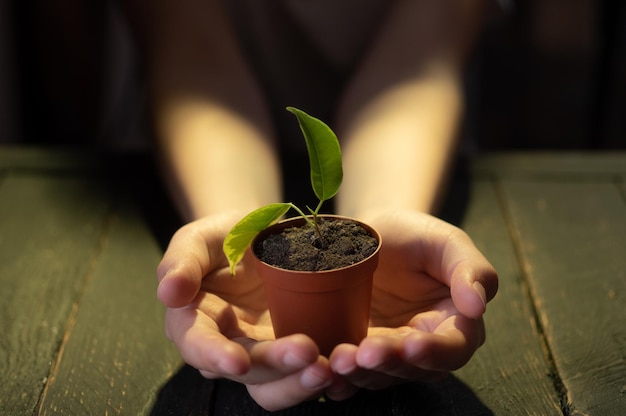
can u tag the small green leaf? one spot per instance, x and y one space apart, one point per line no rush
324 155
241 235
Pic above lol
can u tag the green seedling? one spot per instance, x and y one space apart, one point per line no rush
326 176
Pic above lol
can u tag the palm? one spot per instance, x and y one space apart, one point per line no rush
236 303
409 288
400 296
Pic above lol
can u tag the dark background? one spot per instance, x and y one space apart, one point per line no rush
548 74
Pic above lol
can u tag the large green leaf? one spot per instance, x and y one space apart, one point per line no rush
241 235
324 155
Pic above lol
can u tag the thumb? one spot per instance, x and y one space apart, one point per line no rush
184 264
178 287
472 287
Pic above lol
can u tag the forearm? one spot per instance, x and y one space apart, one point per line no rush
400 116
399 148
213 132
215 159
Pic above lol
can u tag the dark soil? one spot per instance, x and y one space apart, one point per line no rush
300 248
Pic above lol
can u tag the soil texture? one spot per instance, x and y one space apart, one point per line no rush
300 248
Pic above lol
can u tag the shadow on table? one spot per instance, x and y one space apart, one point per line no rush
188 393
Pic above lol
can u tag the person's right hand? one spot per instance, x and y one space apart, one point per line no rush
221 324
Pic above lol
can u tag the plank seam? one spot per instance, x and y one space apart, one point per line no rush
557 381
71 320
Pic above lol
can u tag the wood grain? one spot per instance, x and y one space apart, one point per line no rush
82 331
572 239
50 230
511 367
575 165
116 357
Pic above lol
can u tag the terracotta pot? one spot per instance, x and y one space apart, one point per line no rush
330 306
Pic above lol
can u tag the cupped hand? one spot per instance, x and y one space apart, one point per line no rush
221 325
430 292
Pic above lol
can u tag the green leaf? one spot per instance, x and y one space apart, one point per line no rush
241 235
324 154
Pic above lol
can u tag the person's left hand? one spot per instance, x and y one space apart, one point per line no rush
430 292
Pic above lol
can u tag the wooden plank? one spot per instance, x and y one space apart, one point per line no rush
571 237
116 357
50 229
48 159
537 165
509 373
58 160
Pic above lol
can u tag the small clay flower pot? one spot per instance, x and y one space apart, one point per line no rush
330 306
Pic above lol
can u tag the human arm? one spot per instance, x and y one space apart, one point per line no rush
400 116
399 121
217 148
429 293
213 131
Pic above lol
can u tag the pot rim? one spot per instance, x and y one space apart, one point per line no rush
296 221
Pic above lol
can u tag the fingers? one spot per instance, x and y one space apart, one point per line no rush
194 251
382 360
423 243
379 362
365 366
283 372
472 279
278 373
182 267
450 347
202 346
273 360
211 317
459 264
306 384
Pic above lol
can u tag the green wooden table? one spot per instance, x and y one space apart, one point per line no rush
81 331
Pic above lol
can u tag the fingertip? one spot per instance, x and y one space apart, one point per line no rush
300 351
293 388
472 290
317 376
175 290
373 351
470 300
343 359
235 360
202 346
